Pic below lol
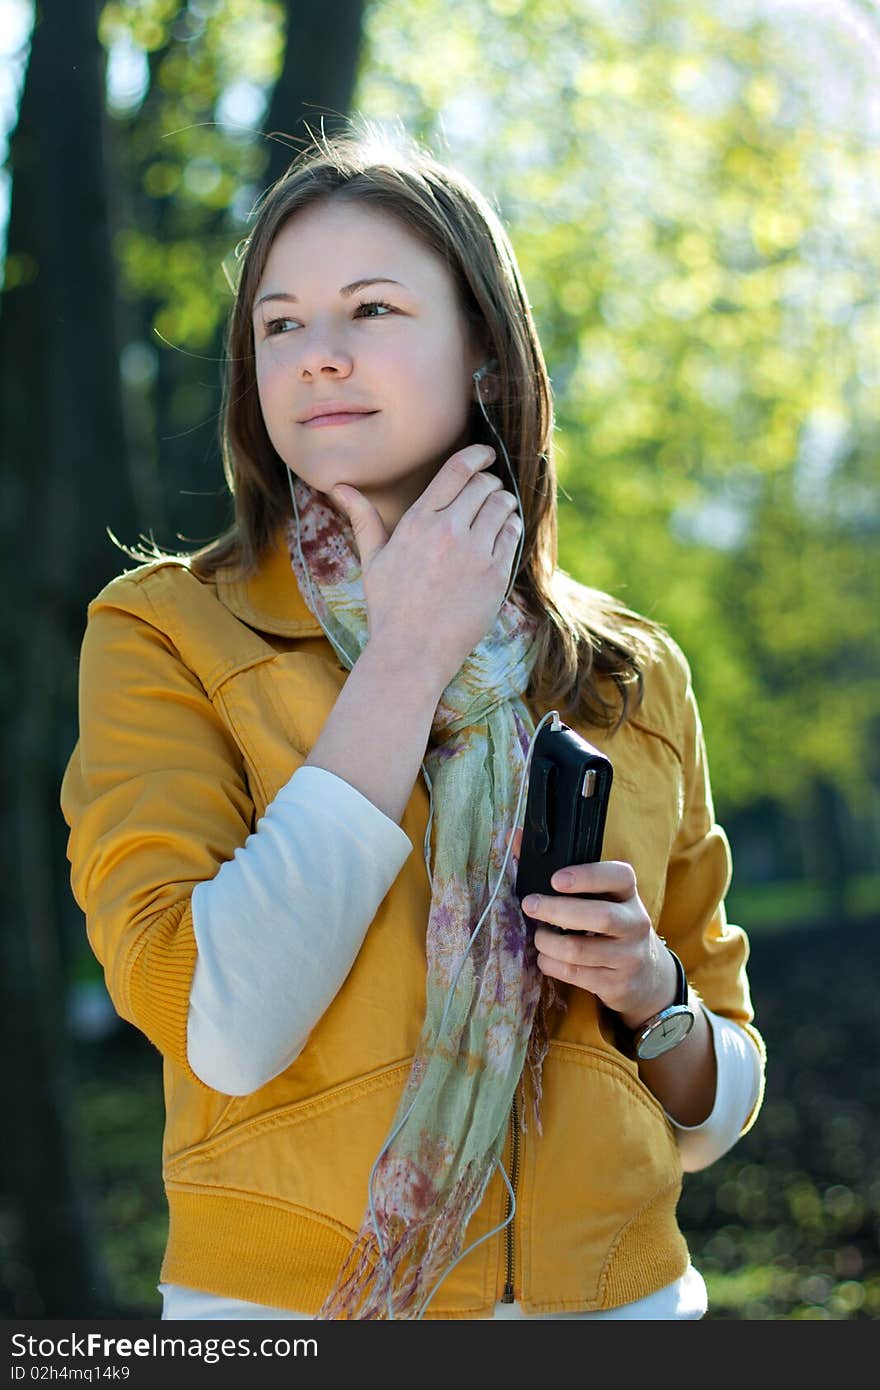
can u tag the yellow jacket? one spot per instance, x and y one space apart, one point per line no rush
197 704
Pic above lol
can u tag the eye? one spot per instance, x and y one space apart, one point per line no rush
275 326
376 304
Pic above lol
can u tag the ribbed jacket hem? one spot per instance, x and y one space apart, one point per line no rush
650 1254
228 1246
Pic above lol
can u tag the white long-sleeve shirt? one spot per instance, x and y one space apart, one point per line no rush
278 929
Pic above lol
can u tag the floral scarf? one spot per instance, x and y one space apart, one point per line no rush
450 1126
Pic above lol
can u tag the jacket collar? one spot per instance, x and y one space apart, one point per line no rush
271 601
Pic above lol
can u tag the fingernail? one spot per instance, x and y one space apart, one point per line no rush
532 902
483 454
563 879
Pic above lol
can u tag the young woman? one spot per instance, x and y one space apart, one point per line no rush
392 1090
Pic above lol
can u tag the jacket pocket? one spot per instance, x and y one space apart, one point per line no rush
607 1153
275 709
314 1153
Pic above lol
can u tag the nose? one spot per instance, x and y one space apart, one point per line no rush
319 358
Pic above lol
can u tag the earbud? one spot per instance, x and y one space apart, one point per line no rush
486 368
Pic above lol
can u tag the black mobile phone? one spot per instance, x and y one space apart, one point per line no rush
566 806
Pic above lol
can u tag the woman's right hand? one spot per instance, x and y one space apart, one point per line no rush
436 584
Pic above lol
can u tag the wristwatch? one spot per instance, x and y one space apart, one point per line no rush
669 1027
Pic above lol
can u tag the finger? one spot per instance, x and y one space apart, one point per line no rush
575 948
492 510
590 977
492 513
608 878
585 961
370 534
454 476
466 510
572 914
507 539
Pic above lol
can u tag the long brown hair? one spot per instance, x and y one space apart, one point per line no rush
592 650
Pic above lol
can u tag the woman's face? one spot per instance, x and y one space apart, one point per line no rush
398 347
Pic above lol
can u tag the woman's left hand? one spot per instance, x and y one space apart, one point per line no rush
622 961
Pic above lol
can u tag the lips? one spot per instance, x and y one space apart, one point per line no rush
327 409
339 417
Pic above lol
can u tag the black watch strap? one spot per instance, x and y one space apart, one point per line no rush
681 984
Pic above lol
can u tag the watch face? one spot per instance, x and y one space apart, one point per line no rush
671 1028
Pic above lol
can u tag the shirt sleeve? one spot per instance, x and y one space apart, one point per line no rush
278 928
737 1087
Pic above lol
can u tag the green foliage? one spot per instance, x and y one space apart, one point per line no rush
190 172
777 906
149 24
700 242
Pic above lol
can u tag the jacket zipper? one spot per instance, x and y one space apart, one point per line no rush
508 1295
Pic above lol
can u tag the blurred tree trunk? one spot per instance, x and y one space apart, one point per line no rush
317 80
147 412
64 479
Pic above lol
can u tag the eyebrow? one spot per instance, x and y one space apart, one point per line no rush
346 291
